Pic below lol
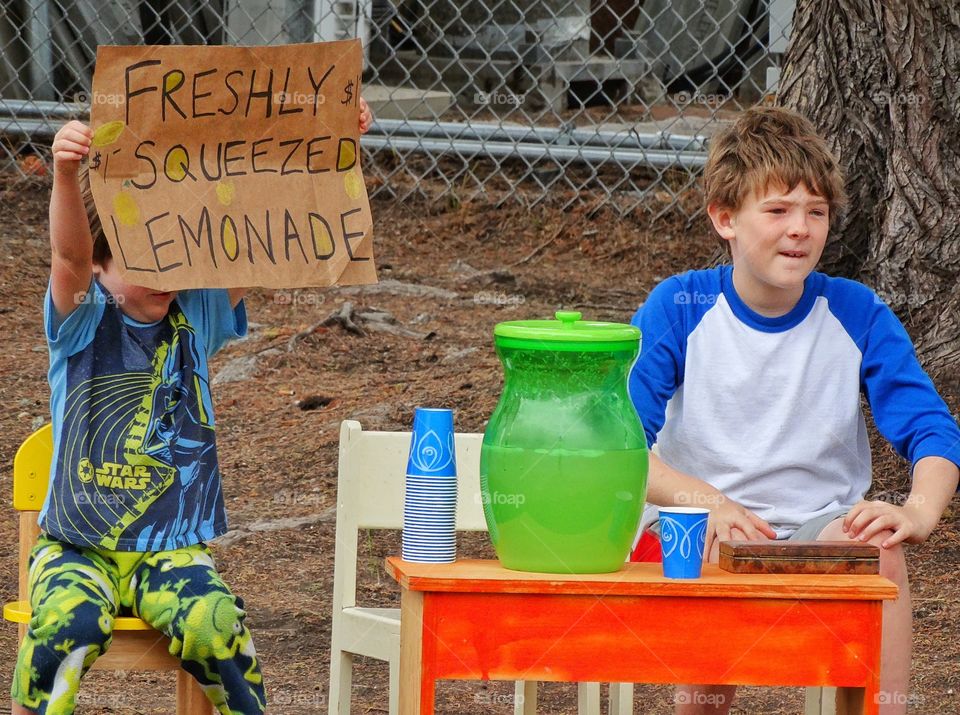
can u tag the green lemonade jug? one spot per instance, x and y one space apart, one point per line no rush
563 467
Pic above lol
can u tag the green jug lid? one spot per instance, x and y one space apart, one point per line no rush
568 332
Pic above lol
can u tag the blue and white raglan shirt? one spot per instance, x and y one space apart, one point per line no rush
135 458
767 410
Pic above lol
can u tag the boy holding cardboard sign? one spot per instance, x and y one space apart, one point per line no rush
208 161
750 380
135 485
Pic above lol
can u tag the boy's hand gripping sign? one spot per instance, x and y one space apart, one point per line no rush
226 167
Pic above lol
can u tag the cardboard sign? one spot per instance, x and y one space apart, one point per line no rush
223 167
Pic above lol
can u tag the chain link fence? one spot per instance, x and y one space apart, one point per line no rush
492 100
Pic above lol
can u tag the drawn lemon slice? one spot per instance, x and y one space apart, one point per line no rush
353 185
176 164
174 81
322 240
346 155
226 190
126 209
228 238
107 134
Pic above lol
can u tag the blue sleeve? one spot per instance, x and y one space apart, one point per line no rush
72 334
906 407
211 315
658 371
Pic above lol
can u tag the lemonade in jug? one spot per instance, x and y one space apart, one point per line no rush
563 467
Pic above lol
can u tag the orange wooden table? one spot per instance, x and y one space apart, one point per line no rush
475 620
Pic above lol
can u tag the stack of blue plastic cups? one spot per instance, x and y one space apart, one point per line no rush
430 499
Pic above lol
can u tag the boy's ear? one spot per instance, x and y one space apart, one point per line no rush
722 218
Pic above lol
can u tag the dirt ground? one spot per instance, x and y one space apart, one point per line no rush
475 265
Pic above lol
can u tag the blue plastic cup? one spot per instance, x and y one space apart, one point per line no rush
683 532
432 452
430 496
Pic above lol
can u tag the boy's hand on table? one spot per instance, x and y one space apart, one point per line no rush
731 521
70 145
934 485
869 518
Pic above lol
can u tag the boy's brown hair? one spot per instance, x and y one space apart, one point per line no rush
101 249
771 145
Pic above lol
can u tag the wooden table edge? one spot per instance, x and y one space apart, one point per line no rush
637 579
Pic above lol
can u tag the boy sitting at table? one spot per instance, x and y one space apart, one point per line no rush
750 376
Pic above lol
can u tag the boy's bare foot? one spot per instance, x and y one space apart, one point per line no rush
18 709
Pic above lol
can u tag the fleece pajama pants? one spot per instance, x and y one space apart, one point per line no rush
75 594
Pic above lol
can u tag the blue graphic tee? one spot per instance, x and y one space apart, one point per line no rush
135 457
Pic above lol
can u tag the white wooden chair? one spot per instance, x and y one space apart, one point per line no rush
372 470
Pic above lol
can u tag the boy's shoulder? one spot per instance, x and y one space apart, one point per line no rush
678 303
205 303
210 313
863 314
857 306
693 292
691 287
844 288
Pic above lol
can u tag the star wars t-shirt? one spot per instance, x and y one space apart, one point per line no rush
135 456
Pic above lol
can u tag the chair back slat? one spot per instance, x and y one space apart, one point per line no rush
31 470
372 472
31 479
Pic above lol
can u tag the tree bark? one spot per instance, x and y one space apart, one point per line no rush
881 80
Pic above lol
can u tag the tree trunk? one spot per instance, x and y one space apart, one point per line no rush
879 79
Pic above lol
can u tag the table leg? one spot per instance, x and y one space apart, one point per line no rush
416 691
852 701
427 693
866 700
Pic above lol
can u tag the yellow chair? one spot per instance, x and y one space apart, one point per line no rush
136 646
